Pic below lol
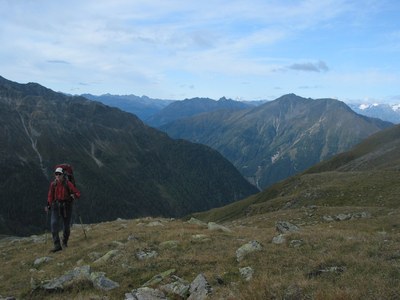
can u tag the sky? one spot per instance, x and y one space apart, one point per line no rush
172 49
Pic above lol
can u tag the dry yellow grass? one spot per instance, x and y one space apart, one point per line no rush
366 250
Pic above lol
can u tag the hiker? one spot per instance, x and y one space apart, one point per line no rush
60 199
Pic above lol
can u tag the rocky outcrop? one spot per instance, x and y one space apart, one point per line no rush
199 288
246 249
176 288
78 274
347 216
284 227
246 273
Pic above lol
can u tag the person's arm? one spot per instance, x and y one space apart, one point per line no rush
74 191
50 196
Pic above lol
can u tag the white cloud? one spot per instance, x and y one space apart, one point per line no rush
319 66
125 46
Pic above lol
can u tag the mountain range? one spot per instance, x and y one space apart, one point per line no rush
366 176
186 111
279 138
123 168
143 107
191 107
146 108
128 169
387 112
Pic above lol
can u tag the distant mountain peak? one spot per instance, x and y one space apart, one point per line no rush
366 106
383 111
279 138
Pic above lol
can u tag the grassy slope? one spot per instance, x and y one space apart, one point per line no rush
368 175
366 249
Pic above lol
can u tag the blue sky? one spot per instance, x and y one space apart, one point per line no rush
250 49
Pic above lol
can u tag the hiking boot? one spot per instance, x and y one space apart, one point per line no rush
65 239
56 248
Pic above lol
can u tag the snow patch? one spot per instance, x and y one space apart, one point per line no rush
275 157
367 106
396 107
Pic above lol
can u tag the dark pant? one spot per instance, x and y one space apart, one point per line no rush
61 211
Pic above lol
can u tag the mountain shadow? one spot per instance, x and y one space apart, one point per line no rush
123 168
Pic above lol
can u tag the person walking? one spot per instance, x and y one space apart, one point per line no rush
60 199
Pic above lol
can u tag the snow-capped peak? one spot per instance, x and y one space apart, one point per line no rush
366 106
396 107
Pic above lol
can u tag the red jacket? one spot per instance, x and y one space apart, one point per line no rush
58 191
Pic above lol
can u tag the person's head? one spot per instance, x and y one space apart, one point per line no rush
59 173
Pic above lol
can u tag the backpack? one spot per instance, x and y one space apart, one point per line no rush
68 175
68 172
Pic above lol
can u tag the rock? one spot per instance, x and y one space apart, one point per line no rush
284 227
295 243
177 287
279 239
38 238
155 223
60 282
41 260
342 217
118 243
34 284
197 222
146 254
328 269
199 288
94 255
98 279
245 249
106 257
169 244
101 282
132 238
215 226
145 293
348 216
361 215
246 273
328 219
159 277
7 298
200 238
